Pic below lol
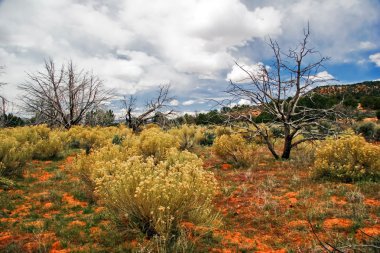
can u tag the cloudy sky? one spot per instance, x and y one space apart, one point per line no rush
134 46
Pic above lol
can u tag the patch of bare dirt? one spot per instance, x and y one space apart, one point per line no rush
336 223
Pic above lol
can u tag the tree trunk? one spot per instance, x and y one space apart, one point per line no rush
288 137
287 147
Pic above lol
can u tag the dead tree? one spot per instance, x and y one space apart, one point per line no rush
278 89
159 104
62 97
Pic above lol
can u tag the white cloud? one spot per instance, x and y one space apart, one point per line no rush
367 45
188 102
238 75
192 113
322 76
337 27
174 102
132 45
375 58
137 45
198 40
244 102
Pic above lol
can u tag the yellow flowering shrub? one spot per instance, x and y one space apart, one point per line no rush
188 135
96 137
156 198
151 125
89 137
234 148
50 147
222 130
155 142
349 158
122 131
20 144
83 165
13 155
28 134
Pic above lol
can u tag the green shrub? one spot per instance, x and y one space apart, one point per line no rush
277 132
377 133
6 183
117 140
367 129
349 158
23 143
208 138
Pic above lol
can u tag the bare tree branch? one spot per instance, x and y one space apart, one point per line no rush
62 97
159 104
278 90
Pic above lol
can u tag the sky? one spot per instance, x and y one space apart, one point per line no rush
135 46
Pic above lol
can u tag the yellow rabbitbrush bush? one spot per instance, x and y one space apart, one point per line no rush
89 137
45 142
155 142
84 164
51 147
96 137
24 143
349 158
13 155
222 130
234 148
156 198
152 142
30 134
188 135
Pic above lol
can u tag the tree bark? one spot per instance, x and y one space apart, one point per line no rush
287 148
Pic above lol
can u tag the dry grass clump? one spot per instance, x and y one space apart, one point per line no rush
303 155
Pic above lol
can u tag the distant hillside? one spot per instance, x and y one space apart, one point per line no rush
367 94
368 88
